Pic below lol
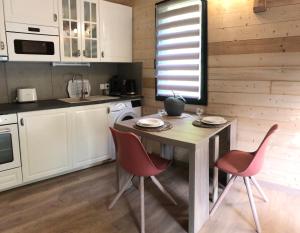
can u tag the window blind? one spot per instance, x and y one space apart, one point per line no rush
178 48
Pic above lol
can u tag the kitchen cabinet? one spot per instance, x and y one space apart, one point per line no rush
34 12
3 48
79 30
115 32
44 143
90 135
10 178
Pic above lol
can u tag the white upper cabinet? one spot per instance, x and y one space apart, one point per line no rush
3 48
35 12
79 34
90 135
115 32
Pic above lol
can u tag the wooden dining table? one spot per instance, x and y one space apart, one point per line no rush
200 144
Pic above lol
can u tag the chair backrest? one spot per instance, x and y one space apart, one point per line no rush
131 154
258 159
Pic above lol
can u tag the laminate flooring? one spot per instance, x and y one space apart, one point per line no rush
77 203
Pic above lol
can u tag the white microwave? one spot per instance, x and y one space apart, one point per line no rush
32 43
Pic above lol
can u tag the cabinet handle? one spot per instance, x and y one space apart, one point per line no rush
2 45
102 54
55 17
22 122
108 110
32 29
84 53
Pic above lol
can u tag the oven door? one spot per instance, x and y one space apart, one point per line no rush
32 47
9 147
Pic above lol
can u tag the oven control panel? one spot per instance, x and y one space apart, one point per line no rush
8 119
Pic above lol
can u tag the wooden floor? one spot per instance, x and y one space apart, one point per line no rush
78 203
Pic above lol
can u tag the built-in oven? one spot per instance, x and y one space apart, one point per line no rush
32 43
9 142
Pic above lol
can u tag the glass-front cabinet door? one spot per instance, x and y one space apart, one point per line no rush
90 32
70 30
79 34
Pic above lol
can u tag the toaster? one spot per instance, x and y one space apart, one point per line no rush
26 95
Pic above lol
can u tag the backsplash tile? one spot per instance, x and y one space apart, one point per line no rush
22 75
50 82
61 76
3 84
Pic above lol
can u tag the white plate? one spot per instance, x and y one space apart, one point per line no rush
150 122
213 120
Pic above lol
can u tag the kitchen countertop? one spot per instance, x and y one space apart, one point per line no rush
10 108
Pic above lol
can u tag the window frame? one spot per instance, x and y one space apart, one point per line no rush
204 58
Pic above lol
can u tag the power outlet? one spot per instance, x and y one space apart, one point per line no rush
102 86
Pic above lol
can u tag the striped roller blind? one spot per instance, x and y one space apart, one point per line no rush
178 48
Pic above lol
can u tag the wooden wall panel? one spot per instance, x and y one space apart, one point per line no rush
254 46
254 75
255 60
273 3
260 31
124 2
285 88
236 86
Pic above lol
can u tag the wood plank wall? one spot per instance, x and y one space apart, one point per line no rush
123 2
254 74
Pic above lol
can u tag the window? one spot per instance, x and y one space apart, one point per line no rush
181 50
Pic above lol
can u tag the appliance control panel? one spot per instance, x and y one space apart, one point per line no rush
116 107
8 119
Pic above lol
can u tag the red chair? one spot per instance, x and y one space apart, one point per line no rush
246 165
133 158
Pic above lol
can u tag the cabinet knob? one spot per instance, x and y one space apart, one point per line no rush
55 17
2 45
102 54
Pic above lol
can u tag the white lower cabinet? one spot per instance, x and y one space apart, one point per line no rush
10 178
90 135
44 143
58 141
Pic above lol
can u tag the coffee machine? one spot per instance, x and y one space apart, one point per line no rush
115 86
118 86
129 87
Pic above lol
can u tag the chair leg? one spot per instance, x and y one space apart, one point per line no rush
162 189
120 193
253 207
259 189
220 199
142 194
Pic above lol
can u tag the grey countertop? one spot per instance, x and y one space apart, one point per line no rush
10 108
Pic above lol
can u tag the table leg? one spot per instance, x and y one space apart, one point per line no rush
167 151
215 193
198 186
